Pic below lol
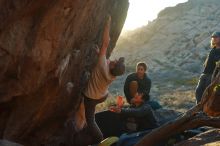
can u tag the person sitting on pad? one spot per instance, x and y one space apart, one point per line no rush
139 116
139 83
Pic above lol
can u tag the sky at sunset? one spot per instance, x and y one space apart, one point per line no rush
142 11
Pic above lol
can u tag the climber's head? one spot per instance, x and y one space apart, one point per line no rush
117 67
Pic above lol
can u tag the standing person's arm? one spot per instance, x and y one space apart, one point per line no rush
105 38
210 62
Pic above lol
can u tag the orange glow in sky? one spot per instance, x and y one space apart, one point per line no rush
142 11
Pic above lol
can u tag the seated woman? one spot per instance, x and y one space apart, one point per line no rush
139 83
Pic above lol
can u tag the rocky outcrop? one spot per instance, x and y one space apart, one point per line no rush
47 52
176 43
174 46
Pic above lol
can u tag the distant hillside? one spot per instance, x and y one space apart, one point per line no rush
178 38
174 45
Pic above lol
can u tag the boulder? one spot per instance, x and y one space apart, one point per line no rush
47 51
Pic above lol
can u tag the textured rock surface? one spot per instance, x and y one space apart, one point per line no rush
46 54
209 138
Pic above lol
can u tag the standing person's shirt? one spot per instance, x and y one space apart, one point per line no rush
100 80
144 86
213 57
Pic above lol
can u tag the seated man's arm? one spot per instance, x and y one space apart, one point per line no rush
137 112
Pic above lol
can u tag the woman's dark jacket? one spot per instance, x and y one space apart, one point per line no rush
144 86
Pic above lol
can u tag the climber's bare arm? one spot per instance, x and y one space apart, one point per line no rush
106 37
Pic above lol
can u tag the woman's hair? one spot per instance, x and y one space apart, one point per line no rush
144 65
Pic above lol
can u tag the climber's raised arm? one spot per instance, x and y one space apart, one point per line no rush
106 37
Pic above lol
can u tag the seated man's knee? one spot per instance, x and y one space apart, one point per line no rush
133 84
133 87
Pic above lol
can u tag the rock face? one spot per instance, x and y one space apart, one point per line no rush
46 55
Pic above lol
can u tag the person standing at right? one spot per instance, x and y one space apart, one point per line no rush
209 66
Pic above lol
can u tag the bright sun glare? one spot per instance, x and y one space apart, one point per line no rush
142 11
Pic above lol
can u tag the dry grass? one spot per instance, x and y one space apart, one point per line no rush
178 100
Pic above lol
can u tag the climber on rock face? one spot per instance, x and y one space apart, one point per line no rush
97 90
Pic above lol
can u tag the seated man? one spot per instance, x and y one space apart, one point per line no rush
138 117
139 83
